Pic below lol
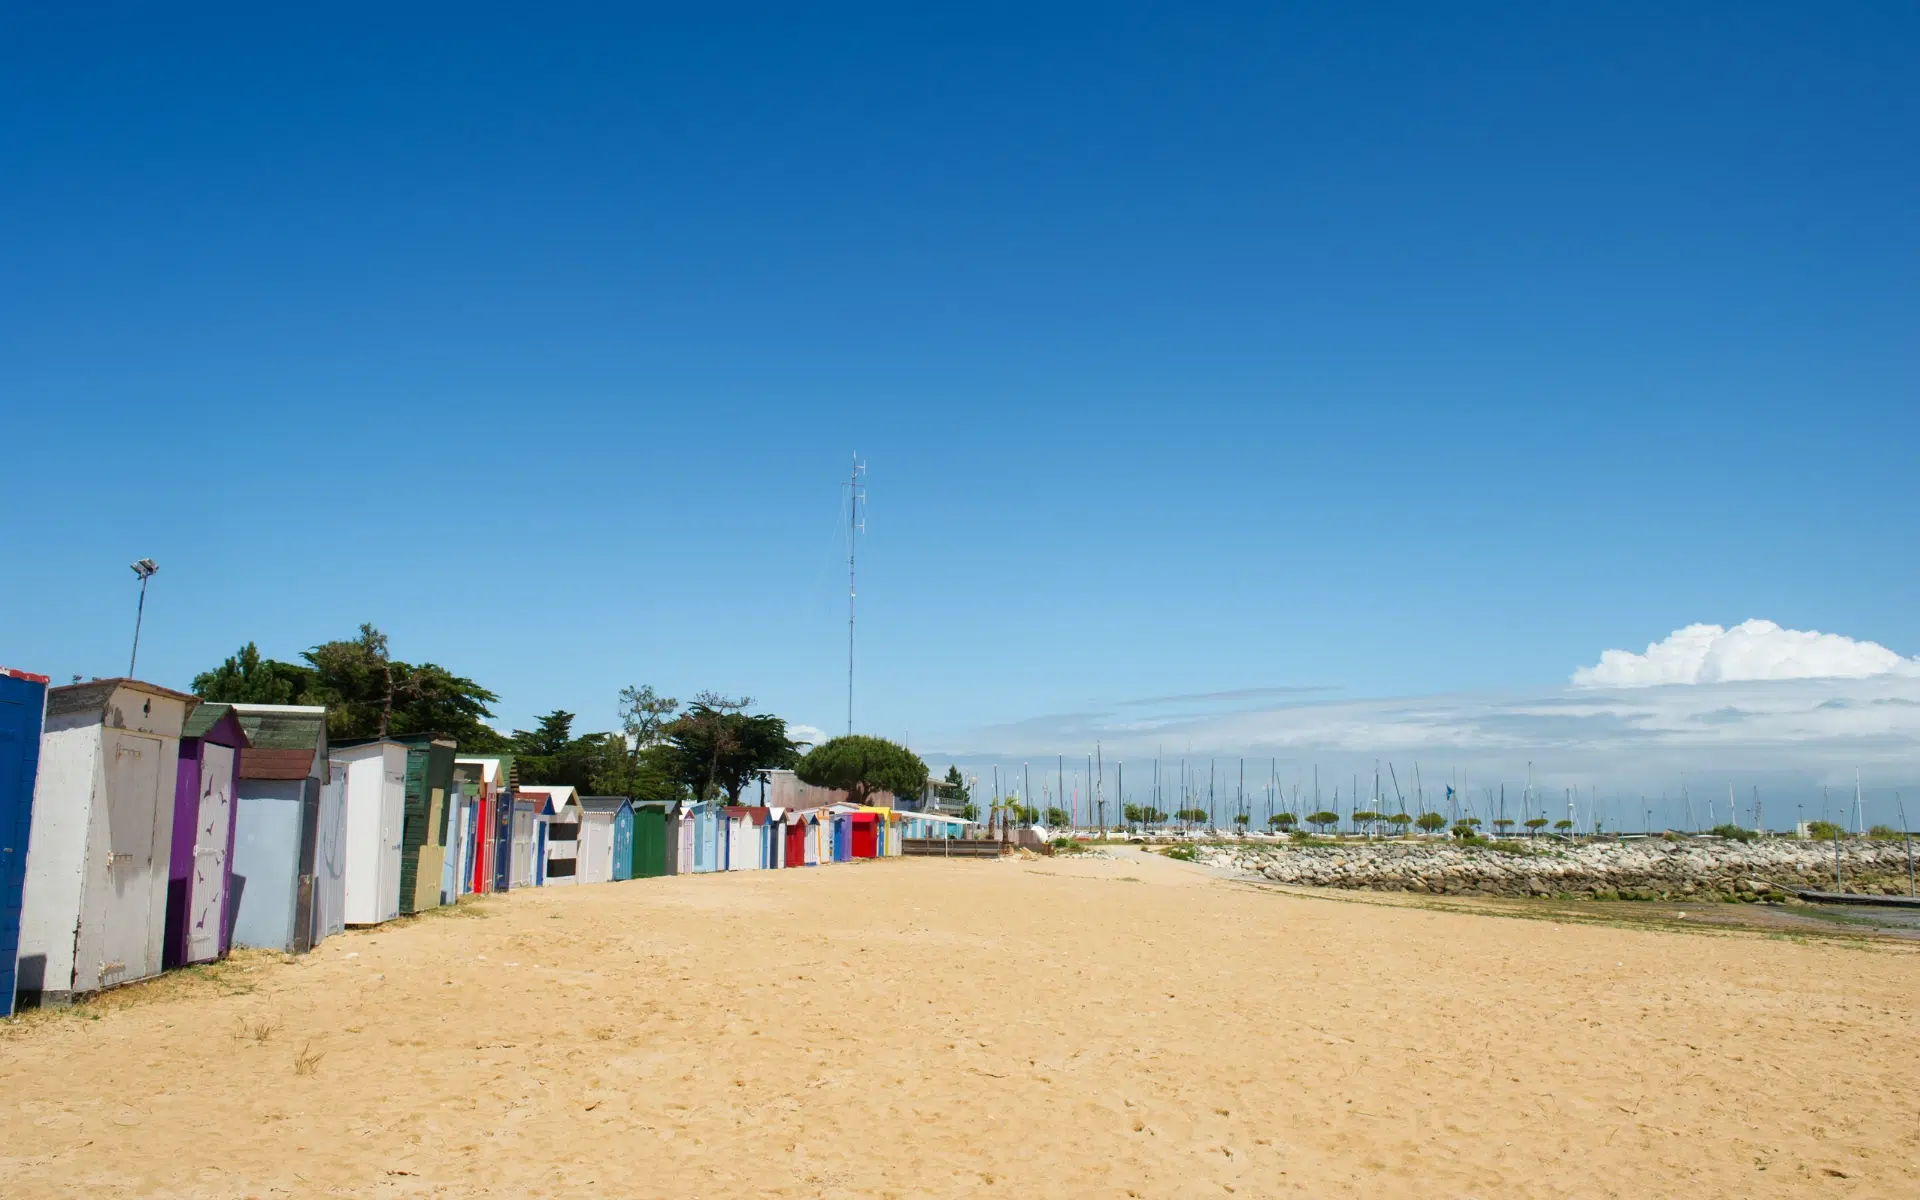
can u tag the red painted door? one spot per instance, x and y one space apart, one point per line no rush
863 826
797 845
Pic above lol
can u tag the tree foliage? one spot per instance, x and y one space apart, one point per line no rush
367 692
860 766
715 747
1432 822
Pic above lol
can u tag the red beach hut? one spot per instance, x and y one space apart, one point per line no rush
865 835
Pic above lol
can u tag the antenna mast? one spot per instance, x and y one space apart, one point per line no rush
856 496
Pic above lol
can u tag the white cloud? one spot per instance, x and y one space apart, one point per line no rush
809 734
1751 651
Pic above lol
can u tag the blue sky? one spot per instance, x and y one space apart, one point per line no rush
1386 350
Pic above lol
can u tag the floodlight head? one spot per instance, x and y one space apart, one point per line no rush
145 568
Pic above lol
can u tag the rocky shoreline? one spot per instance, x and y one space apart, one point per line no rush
1692 869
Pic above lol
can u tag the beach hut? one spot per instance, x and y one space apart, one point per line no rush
94 901
842 837
623 830
288 886
427 781
819 837
488 847
774 840
794 832
528 851
376 805
200 868
651 825
559 816
865 834
680 840
743 845
709 838
23 709
605 855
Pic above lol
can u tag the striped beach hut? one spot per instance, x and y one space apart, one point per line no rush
94 901
23 709
559 816
200 870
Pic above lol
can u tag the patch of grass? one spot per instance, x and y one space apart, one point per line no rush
258 1030
1180 853
306 1062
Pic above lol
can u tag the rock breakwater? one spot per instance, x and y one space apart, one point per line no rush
1689 869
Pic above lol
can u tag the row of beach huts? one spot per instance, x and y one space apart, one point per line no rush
143 829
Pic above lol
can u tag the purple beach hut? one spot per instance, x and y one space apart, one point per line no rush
200 872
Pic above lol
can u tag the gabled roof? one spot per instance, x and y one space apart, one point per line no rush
79 697
284 726
217 723
608 804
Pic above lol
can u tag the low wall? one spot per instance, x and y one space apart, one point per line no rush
1641 870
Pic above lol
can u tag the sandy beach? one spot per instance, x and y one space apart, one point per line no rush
1118 1027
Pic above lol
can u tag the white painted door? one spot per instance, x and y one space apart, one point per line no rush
393 802
209 880
133 800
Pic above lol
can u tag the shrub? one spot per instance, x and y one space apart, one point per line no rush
1179 853
1734 833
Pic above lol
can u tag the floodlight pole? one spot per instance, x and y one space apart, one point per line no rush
145 569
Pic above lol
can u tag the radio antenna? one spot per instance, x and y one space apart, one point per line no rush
856 525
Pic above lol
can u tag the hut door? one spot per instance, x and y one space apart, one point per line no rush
126 940
210 853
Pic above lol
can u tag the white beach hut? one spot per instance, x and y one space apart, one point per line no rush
597 817
376 799
94 907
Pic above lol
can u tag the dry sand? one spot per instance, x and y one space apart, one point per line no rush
1132 1027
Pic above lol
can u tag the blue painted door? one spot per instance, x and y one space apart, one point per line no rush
23 703
623 844
503 841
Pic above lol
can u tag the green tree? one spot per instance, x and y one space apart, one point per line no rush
1535 825
1241 820
1056 817
1191 816
716 747
953 789
1431 822
860 766
1503 825
969 811
366 691
1563 825
1322 819
1282 820
1364 817
1466 827
1400 821
246 678
1825 831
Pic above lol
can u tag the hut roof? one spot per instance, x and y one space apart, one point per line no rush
217 723
608 804
284 741
82 697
